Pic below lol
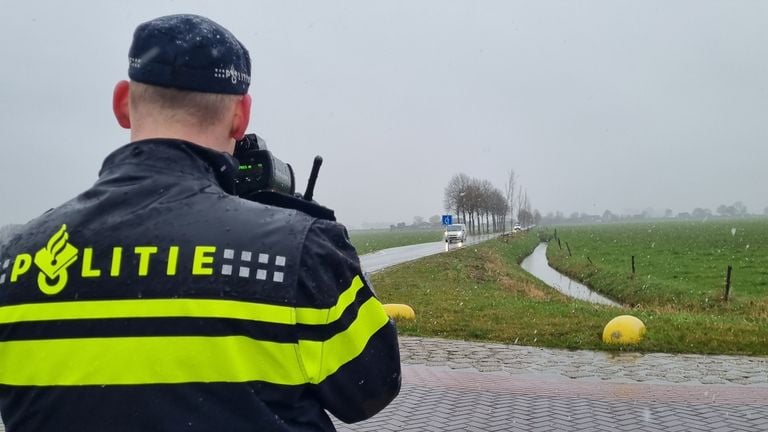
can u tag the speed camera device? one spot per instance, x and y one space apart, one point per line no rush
264 178
260 170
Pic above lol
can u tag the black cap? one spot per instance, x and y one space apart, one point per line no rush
189 52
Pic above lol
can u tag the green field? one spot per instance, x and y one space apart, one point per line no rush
679 265
367 241
481 293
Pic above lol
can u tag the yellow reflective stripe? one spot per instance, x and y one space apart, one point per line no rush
325 316
148 360
195 308
150 308
181 359
323 358
154 360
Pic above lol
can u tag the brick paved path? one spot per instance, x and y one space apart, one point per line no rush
619 367
435 398
457 385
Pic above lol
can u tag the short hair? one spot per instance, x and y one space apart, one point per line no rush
205 109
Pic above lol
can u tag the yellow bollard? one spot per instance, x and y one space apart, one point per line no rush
396 310
624 330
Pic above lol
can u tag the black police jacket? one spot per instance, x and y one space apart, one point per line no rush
157 300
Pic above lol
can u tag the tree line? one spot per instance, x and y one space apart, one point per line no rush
484 208
735 210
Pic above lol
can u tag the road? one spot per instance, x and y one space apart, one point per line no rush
382 259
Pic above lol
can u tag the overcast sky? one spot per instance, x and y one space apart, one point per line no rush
596 105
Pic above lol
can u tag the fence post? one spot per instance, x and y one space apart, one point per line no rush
633 264
728 282
569 249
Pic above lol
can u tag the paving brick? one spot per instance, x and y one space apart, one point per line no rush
441 399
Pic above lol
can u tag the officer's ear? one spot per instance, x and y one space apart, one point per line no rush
121 104
241 118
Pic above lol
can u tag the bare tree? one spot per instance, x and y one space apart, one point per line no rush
486 201
524 213
473 203
482 206
518 202
499 209
509 190
455 198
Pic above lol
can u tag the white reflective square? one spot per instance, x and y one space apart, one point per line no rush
278 277
245 256
280 260
263 258
261 274
226 269
229 253
5 264
245 272
2 278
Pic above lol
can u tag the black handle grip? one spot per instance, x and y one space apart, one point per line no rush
313 178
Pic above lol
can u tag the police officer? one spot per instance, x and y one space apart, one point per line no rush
158 300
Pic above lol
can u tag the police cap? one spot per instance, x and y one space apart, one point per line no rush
189 52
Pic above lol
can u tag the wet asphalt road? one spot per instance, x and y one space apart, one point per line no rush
382 259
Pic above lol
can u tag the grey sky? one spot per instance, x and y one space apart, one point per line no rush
596 104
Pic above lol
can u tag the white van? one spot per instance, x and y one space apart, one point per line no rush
455 233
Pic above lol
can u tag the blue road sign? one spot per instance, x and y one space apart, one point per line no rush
447 219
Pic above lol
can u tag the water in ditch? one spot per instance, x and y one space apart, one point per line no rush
537 265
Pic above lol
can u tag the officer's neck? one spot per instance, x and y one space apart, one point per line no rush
209 137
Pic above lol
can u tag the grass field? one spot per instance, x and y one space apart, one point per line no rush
367 241
480 292
679 265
